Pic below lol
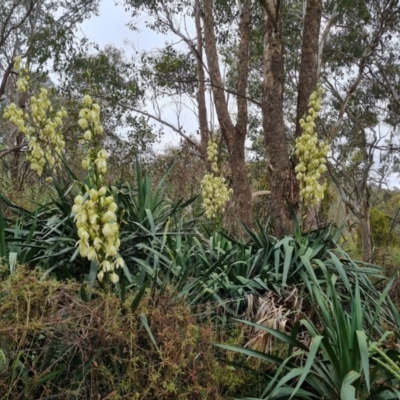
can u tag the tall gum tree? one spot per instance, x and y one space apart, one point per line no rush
233 128
361 62
283 184
233 134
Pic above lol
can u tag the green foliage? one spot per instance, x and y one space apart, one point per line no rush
171 70
225 271
152 340
162 248
382 235
47 237
343 361
108 73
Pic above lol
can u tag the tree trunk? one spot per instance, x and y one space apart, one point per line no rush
234 136
360 207
366 246
240 183
284 188
243 69
201 96
308 74
308 80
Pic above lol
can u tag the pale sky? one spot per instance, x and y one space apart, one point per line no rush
110 27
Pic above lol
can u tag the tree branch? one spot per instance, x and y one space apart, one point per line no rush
201 90
324 38
268 6
260 193
346 100
3 85
3 153
163 122
221 106
5 35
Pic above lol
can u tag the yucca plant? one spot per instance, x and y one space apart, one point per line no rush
226 271
147 216
47 237
343 361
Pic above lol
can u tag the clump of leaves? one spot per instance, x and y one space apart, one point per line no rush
348 357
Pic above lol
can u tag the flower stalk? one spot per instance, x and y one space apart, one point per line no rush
214 187
312 155
41 124
95 210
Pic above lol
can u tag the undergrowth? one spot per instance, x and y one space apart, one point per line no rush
55 345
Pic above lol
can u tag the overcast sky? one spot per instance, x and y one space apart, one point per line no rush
110 27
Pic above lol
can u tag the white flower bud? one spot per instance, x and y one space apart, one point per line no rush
102 191
83 123
100 275
78 200
87 100
87 135
92 255
114 278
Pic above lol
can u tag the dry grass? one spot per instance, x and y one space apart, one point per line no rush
54 345
276 312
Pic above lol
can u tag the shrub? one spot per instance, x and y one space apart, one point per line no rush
55 344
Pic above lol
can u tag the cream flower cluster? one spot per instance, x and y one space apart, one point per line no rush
214 187
23 76
311 154
90 118
42 127
98 230
95 218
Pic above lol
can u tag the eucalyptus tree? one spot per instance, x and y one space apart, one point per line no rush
360 74
36 30
283 183
112 79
